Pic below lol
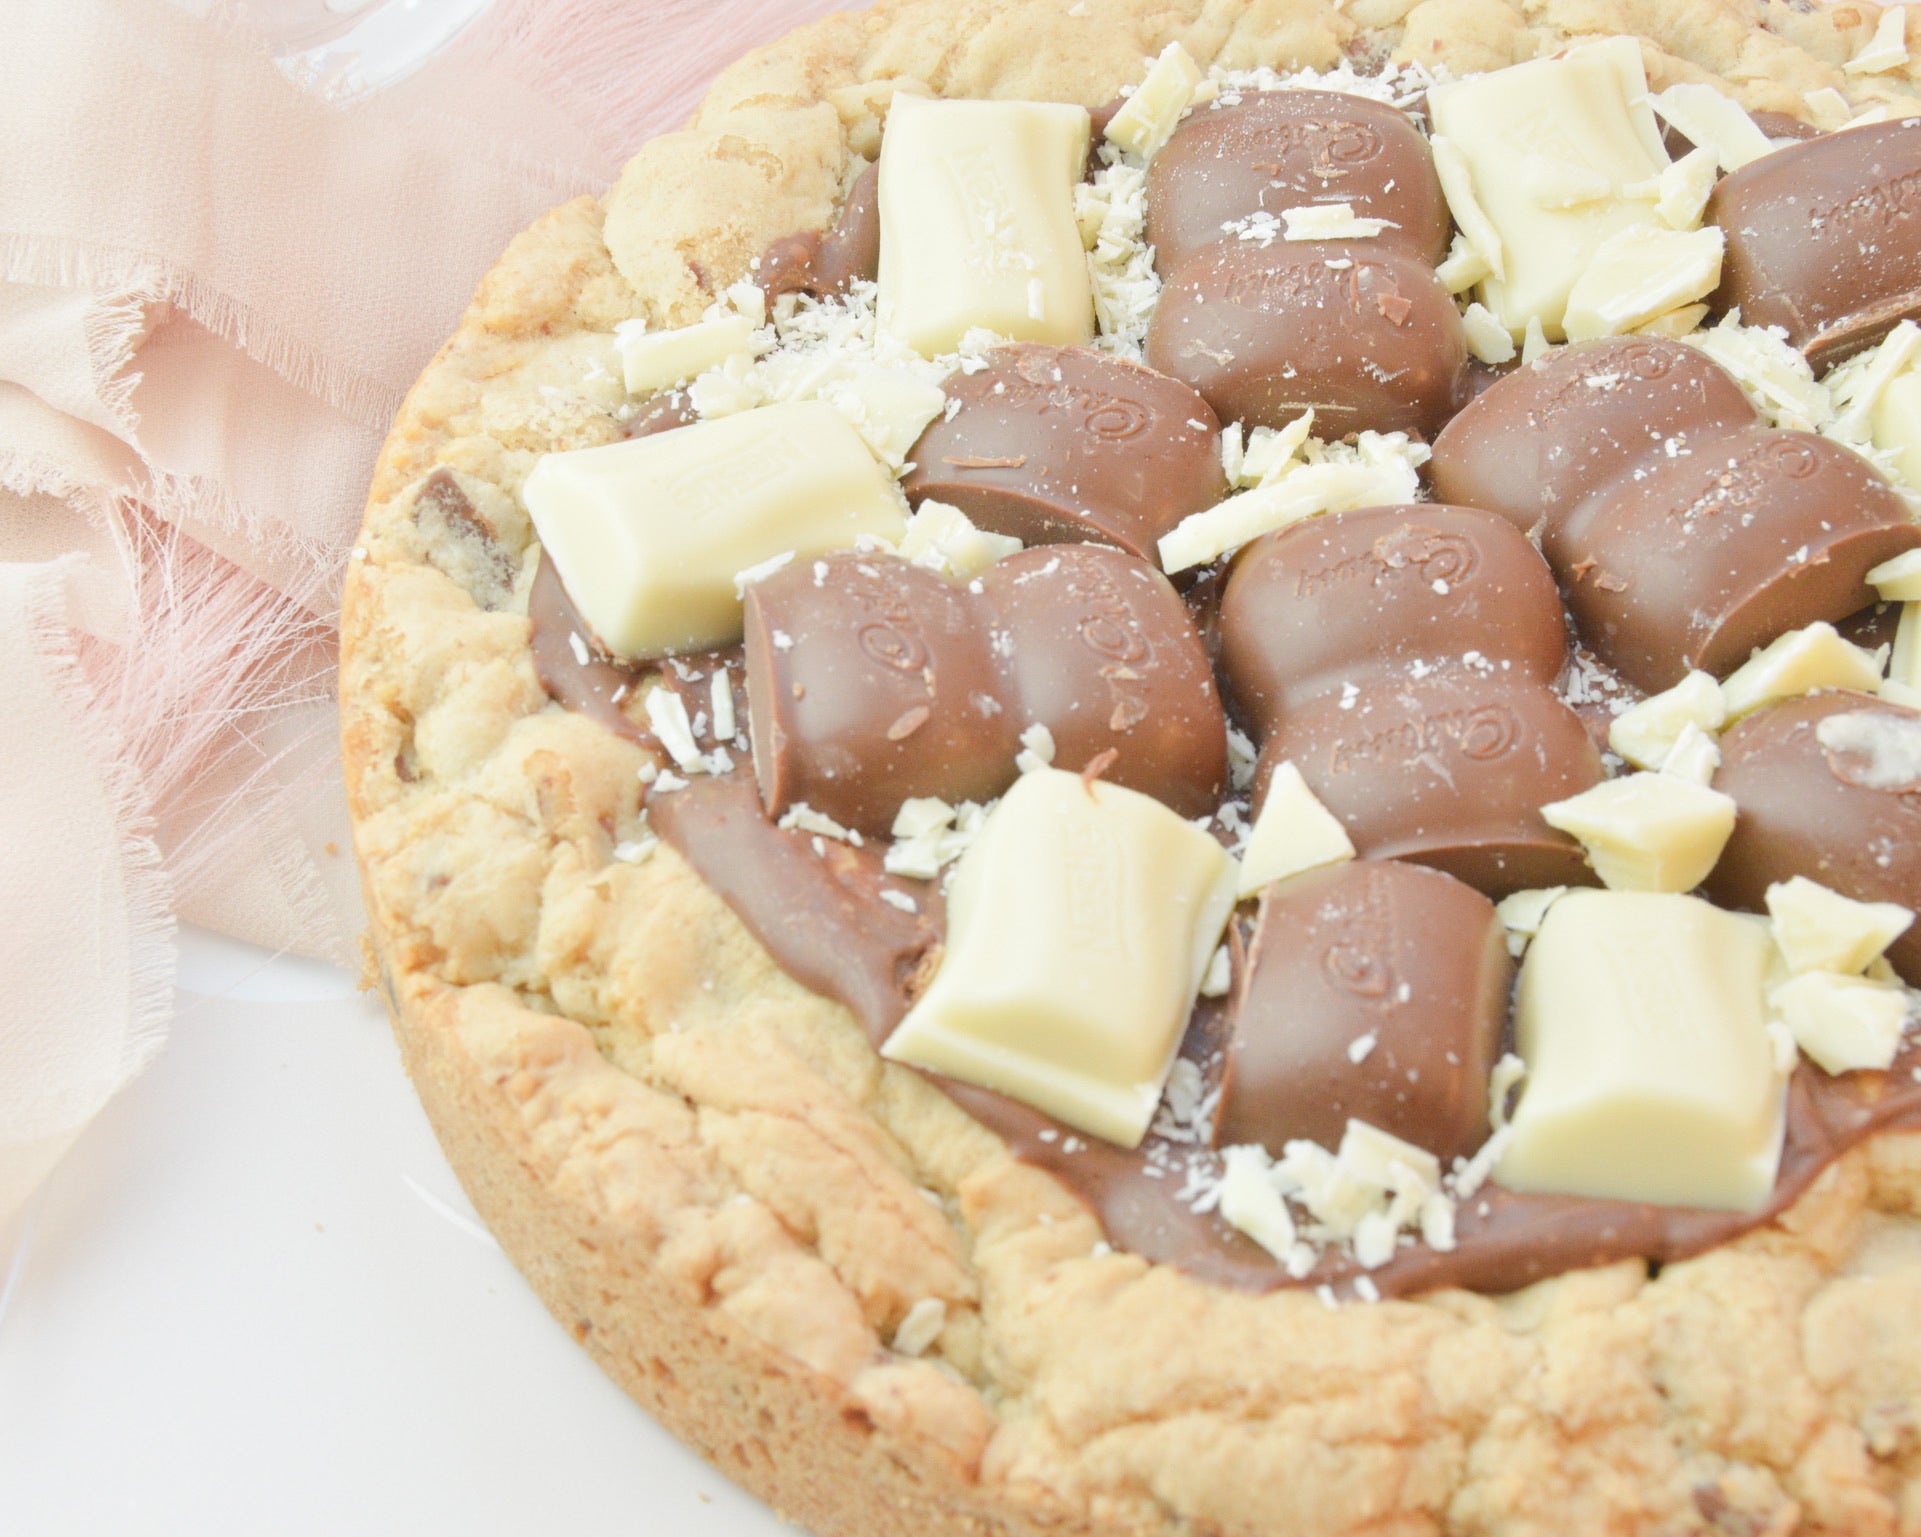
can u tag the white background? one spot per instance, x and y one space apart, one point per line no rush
254 1300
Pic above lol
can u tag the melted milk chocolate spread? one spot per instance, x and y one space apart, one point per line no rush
825 924
1827 786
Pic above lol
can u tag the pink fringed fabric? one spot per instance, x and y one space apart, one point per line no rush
214 292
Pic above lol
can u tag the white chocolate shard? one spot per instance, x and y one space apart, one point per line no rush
1887 49
1816 929
1152 113
888 407
1487 338
1269 453
1694 757
1252 1203
1456 176
1846 1024
1080 924
654 360
1858 385
1716 123
1675 324
1534 344
1900 693
1798 662
1681 192
1775 375
944 539
1650 1073
1648 832
978 225
1640 274
648 534
1330 221
1522 913
1904 660
1463 268
1645 733
1587 109
1300 493
1294 832
1897 425
1828 109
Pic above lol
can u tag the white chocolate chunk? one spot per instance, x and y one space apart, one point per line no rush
1534 344
1716 123
1330 221
1694 757
1828 109
1648 832
1370 1156
1556 183
1640 274
1300 493
1904 660
1080 924
1650 1074
1294 832
648 534
1900 693
1887 49
1798 662
1587 109
1037 749
1251 1201
888 407
1464 267
1897 425
654 360
977 207
1683 189
1457 186
1269 453
1646 733
1675 324
1522 912
1816 929
1151 114
1844 1023
1487 338
1775 375
1858 384
944 539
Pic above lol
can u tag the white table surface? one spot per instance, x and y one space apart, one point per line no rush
254 1300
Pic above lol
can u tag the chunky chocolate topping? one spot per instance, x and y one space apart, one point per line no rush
1287 149
830 261
1397 590
1545 437
1360 330
1824 238
1684 533
1372 990
1829 786
1449 771
1062 444
871 681
1697 560
1401 658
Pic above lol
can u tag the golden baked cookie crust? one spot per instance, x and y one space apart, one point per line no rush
720 1190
